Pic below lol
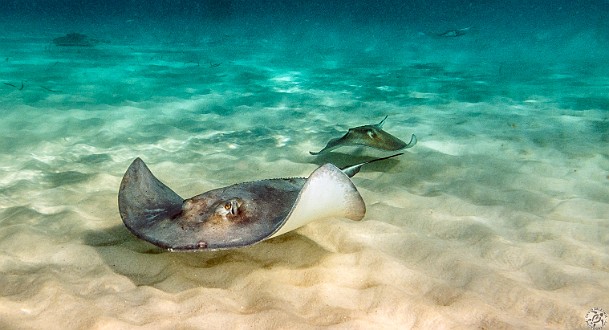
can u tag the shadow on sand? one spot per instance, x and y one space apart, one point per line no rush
147 265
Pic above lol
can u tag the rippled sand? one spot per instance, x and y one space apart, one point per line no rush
498 218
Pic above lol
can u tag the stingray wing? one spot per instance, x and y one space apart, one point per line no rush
332 144
143 201
327 193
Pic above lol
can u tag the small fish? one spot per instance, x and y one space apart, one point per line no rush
454 33
370 136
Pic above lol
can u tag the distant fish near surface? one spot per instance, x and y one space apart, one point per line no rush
239 215
454 33
370 136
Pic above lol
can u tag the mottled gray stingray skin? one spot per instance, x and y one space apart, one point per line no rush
370 136
235 216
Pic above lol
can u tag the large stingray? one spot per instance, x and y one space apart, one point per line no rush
235 216
371 136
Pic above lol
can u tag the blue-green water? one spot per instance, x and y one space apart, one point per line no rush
497 218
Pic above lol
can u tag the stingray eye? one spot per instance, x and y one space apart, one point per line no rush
232 206
228 210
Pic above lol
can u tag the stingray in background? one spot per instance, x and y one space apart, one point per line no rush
454 33
76 40
238 215
370 136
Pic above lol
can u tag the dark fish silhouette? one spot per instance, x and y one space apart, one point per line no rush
235 216
371 136
454 33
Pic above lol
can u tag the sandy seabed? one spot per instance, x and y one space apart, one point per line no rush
497 218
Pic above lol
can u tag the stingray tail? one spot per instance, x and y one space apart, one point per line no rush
380 125
352 170
413 141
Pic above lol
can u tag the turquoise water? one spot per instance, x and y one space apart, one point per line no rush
497 218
